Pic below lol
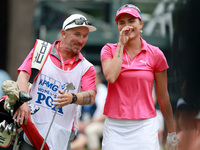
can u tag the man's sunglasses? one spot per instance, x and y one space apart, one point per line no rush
130 6
79 22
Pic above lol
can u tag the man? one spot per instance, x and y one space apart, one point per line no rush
65 65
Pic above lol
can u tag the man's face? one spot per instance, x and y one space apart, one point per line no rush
75 39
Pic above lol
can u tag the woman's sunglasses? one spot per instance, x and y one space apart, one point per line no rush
130 6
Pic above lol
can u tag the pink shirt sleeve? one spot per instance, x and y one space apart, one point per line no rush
88 80
161 62
26 65
107 52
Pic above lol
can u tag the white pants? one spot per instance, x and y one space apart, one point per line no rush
121 134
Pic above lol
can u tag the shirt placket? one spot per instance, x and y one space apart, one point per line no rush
130 62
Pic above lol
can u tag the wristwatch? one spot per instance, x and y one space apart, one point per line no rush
74 99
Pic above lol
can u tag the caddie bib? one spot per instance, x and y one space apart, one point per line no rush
44 90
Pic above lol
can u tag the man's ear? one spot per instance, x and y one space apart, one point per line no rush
63 33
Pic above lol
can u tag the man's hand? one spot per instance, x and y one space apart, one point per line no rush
63 99
22 114
172 141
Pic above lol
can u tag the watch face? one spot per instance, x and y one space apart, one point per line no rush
74 98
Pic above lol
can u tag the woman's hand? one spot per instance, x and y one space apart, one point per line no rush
125 34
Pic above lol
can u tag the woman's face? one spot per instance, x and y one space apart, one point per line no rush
129 20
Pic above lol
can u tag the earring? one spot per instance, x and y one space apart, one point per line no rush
141 31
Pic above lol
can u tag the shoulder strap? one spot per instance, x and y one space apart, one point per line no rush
41 51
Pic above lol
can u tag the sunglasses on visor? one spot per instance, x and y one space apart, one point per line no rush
79 22
130 6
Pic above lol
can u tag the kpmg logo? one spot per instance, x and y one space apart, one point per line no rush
47 91
49 85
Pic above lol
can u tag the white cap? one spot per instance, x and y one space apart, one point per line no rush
181 101
73 25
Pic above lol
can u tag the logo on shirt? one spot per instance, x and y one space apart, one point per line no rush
48 90
145 62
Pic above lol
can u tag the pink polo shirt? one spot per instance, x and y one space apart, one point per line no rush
130 96
88 79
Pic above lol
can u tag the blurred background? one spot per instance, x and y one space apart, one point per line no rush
172 25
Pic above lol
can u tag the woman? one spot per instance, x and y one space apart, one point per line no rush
130 67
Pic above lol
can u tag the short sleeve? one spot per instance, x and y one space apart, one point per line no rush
161 62
88 80
26 65
107 52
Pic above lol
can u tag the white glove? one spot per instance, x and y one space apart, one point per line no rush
172 141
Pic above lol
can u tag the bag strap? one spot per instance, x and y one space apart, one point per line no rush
41 51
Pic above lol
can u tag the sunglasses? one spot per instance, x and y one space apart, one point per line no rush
130 6
79 22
